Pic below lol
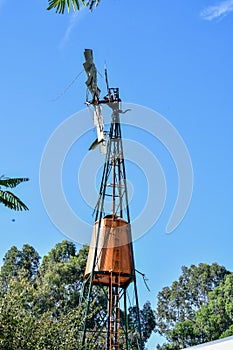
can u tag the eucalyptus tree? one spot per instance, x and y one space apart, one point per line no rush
9 199
59 278
215 320
179 304
18 265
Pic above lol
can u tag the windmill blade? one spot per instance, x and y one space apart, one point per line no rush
99 125
99 122
91 72
94 145
91 83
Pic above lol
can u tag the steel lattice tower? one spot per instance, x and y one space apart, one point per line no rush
110 268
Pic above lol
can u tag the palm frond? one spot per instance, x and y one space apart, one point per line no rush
61 5
12 182
12 201
92 3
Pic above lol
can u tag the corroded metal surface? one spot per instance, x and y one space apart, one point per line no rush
114 252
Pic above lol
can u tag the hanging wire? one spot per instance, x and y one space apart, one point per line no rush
67 87
101 75
145 279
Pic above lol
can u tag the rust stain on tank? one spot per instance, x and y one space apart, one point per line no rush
114 252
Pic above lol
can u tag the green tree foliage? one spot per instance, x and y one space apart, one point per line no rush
183 308
60 278
21 328
61 5
147 320
40 303
9 199
215 319
18 264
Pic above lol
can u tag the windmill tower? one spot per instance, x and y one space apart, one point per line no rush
110 268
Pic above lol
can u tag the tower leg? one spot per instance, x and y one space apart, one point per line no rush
86 313
126 321
138 315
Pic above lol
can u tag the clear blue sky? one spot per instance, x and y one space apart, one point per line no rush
175 57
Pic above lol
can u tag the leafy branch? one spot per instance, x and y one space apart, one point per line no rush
9 199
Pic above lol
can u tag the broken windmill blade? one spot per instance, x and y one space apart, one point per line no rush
92 86
91 72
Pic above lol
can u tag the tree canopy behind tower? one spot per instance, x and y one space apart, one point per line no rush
186 309
39 301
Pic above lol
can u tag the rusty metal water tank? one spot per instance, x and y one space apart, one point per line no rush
114 260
